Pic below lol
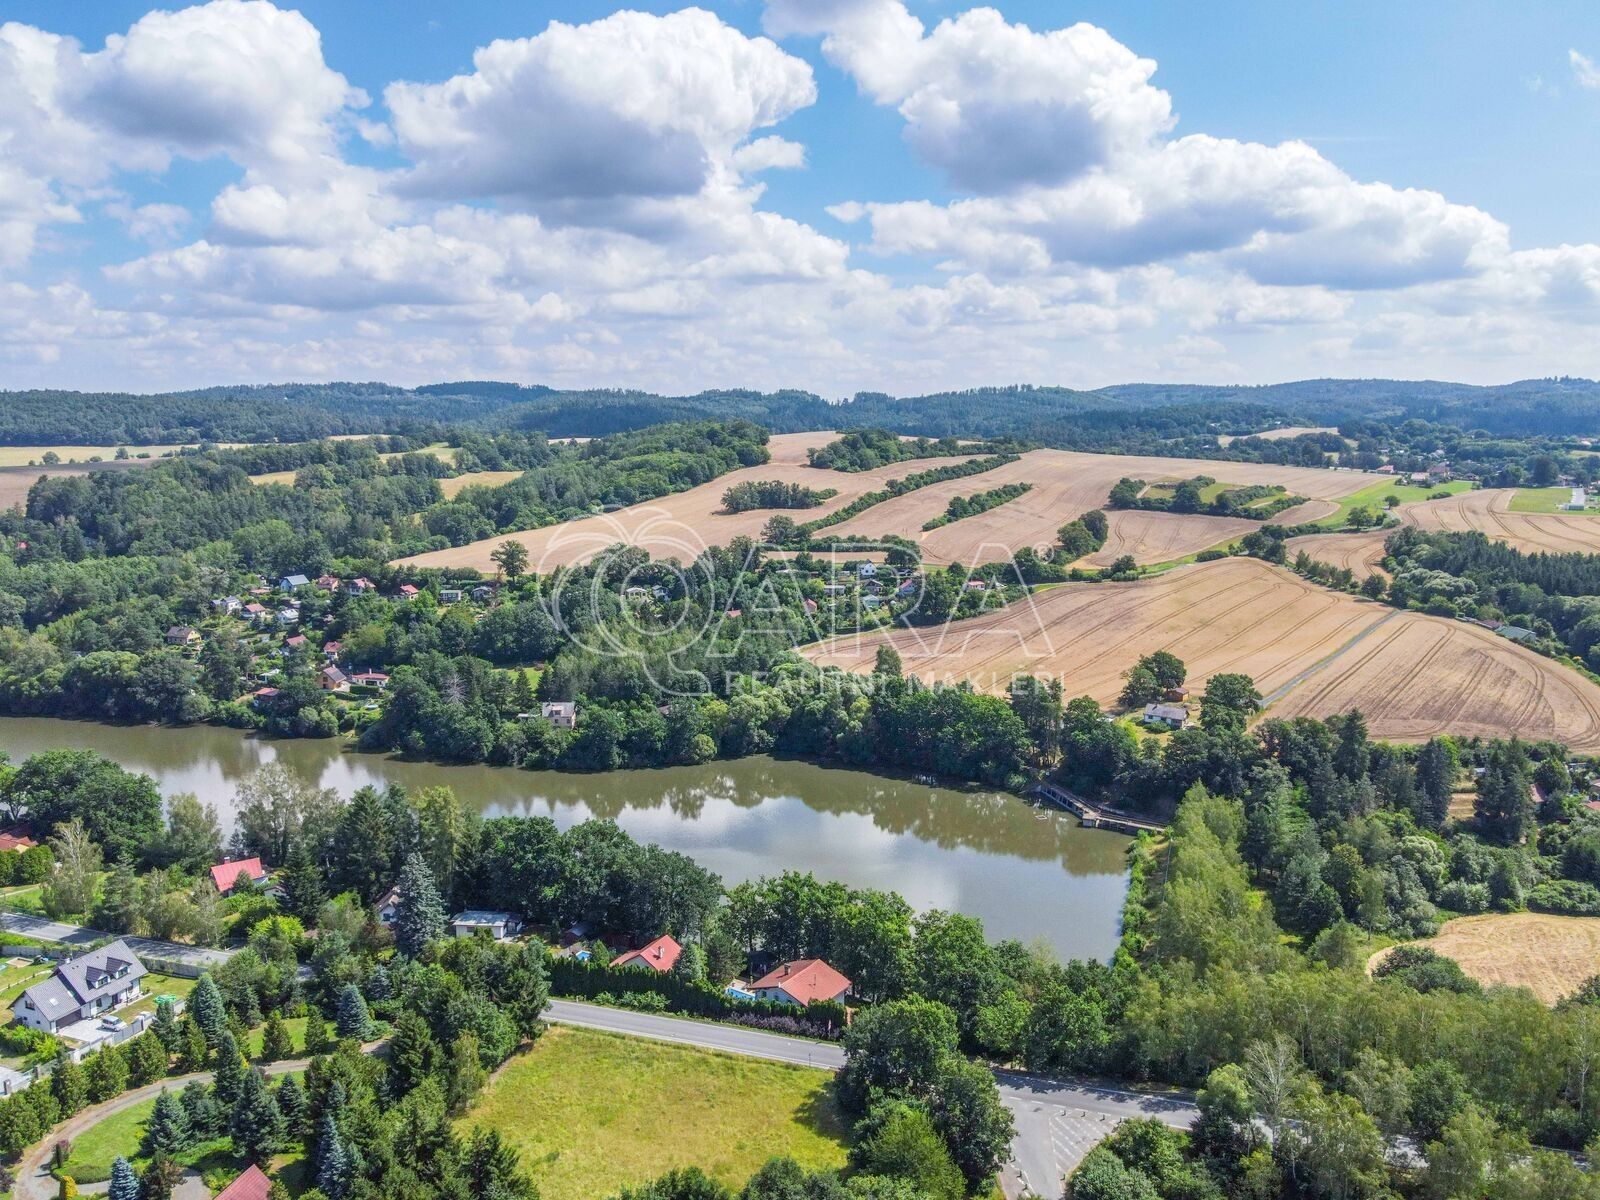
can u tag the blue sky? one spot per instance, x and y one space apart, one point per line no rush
959 196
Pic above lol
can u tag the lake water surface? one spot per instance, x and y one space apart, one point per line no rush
1029 874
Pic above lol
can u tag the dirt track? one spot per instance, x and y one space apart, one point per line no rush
1414 676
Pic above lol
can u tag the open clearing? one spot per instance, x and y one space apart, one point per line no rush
1547 954
1278 435
594 1112
1065 485
454 487
1317 651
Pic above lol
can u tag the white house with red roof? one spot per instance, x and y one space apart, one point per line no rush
226 875
803 981
660 955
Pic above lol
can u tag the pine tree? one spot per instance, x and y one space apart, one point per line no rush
421 916
167 1131
124 1183
108 1074
379 987
69 1083
208 1010
192 1052
334 1170
412 1051
302 886
207 1118
292 1103
353 1020
257 1126
276 1042
230 1070
159 1178
317 1040
147 1059
166 1027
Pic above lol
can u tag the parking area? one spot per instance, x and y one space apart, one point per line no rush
1053 1140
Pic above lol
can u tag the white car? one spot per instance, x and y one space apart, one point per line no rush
113 1023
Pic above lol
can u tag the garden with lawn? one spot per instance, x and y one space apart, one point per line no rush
592 1112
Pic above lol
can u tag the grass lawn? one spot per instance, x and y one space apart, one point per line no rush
1372 498
27 898
593 1112
1208 493
297 1035
1541 500
158 985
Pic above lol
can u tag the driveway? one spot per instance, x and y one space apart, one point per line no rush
1058 1120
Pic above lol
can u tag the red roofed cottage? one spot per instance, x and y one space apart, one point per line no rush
660 955
226 875
804 981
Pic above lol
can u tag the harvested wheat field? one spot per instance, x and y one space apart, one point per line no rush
1547 954
683 525
1359 552
1278 435
16 482
1488 511
1153 537
454 487
1416 676
1311 651
1067 484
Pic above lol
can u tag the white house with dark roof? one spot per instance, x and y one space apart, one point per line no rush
82 989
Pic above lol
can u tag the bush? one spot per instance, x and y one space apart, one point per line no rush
1460 896
1569 897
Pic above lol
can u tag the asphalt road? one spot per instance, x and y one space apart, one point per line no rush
45 930
1058 1120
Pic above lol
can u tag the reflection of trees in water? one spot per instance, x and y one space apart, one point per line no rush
988 822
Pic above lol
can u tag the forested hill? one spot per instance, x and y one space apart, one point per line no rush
1127 416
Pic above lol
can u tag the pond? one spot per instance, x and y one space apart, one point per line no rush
1027 873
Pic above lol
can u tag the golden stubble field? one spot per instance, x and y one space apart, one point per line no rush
1311 651
1486 511
1065 486
1550 955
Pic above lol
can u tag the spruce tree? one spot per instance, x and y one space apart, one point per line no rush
334 1169
276 1042
302 886
257 1126
412 1051
124 1183
159 1178
166 1027
69 1083
147 1059
192 1051
230 1070
108 1074
420 918
317 1040
353 1020
167 1131
208 1010
294 1106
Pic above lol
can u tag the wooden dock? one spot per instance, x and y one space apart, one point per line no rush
1093 816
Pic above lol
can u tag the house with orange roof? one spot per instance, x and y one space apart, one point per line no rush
252 1185
660 955
803 981
226 875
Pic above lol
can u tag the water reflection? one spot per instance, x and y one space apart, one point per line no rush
1026 873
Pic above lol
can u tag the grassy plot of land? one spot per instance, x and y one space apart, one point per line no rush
1542 500
1547 954
493 479
155 985
1374 498
592 1112
21 456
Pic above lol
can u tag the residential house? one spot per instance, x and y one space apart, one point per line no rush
375 679
328 583
15 838
660 955
226 875
500 925
256 614
287 616
183 635
561 714
252 1185
228 606
82 989
294 642
389 906
408 591
867 570
1173 716
355 587
449 595
331 679
330 650
1420 478
483 593
262 694
804 981
293 583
